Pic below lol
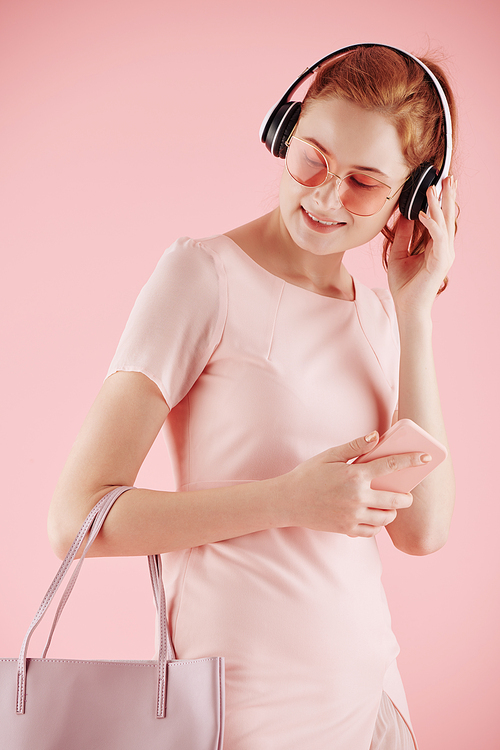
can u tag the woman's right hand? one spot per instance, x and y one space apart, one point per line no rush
328 494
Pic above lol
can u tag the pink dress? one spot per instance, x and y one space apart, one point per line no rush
261 375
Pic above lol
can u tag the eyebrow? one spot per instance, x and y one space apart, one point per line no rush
355 167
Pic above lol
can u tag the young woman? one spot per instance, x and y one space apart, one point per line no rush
270 368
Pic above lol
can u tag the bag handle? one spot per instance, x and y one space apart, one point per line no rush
92 525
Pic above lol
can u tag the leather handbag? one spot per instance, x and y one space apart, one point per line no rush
67 704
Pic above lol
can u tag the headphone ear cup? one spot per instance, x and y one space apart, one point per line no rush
413 198
280 128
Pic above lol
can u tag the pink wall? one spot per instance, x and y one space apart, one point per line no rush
127 124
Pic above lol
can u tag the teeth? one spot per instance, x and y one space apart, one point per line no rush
325 223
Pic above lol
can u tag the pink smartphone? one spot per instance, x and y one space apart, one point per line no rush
404 437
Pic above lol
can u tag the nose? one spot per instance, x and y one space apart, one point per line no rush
327 194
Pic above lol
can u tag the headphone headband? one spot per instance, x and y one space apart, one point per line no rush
281 119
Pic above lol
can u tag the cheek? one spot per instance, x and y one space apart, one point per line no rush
283 189
369 227
290 192
383 217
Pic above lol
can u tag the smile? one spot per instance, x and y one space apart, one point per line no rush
320 221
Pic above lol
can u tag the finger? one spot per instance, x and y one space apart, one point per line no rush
443 211
434 210
389 501
439 253
404 231
389 464
449 203
366 531
379 517
355 448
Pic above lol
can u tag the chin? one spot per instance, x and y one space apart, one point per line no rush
320 242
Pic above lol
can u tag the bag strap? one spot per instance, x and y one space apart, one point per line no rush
91 526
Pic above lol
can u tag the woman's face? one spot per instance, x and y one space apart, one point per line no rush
352 139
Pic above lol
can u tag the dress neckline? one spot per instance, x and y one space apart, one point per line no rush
254 263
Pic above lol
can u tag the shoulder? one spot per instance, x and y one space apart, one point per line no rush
177 320
195 262
189 282
189 275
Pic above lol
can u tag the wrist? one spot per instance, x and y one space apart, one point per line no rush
281 494
414 322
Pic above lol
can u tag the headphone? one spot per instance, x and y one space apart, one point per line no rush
282 118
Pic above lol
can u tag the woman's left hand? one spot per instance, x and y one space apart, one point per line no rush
414 280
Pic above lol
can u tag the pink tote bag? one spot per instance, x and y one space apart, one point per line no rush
68 704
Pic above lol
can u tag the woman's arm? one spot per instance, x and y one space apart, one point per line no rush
424 527
323 493
414 281
114 441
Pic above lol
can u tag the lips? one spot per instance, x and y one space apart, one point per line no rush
320 223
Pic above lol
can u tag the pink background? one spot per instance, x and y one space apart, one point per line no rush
126 124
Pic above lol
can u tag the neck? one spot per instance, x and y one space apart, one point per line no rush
323 274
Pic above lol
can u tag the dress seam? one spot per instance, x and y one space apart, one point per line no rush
275 318
370 344
181 596
188 431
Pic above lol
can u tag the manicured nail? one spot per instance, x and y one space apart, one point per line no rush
425 458
424 215
371 437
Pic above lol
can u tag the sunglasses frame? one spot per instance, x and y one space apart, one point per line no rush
338 180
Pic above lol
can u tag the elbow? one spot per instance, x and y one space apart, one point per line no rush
423 544
427 530
60 538
57 543
419 550
67 513
64 522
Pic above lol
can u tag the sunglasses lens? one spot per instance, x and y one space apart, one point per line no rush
363 195
359 193
306 164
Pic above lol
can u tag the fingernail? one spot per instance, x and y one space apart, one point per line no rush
425 216
425 458
371 437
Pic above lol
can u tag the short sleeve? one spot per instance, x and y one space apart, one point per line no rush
177 320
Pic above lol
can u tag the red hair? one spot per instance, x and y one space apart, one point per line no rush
379 79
